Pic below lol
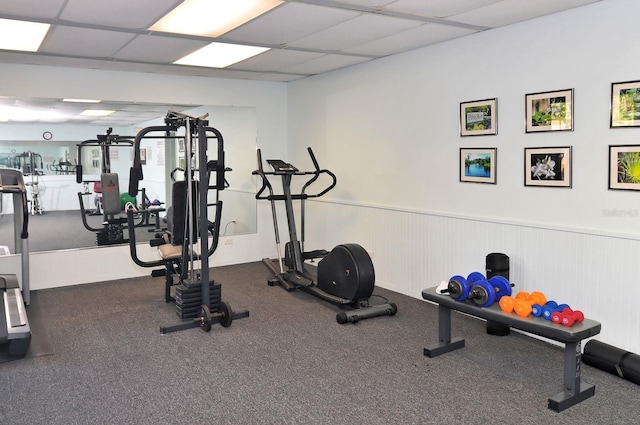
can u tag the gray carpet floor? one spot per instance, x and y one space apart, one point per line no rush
288 363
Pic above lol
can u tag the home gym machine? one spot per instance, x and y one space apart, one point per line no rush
198 299
106 191
14 325
344 276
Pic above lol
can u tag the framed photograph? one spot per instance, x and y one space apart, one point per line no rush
547 166
478 165
624 167
549 111
479 117
625 104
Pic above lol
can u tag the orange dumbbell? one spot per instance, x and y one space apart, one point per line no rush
522 303
567 317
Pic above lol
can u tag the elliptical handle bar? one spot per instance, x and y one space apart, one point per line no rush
265 181
315 177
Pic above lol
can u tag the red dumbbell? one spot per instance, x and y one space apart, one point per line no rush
567 317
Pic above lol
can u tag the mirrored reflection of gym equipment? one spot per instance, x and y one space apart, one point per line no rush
185 249
14 324
107 199
31 165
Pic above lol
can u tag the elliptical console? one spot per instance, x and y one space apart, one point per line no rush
344 276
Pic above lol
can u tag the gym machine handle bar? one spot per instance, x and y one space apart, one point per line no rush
302 195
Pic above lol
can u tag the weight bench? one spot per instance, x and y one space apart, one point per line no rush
574 391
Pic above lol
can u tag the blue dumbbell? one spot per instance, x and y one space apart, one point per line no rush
548 310
486 292
537 309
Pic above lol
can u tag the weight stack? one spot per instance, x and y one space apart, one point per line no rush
497 264
613 360
189 299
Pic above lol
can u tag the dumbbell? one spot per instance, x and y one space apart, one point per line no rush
486 292
567 316
537 309
475 287
548 310
522 303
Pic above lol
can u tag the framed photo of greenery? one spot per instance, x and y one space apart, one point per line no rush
624 167
549 166
625 104
479 117
549 111
478 165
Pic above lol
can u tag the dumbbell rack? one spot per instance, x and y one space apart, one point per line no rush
574 391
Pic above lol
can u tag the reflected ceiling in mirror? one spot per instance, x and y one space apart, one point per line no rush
79 111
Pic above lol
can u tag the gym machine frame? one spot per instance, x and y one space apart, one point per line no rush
574 391
196 129
350 287
14 326
113 227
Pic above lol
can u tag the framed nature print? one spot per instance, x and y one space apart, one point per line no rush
549 111
550 166
624 167
479 117
625 104
478 165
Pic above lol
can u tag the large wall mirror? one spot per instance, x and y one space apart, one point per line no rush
48 156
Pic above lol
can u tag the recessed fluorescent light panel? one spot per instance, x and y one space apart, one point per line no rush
220 55
96 113
82 100
212 18
21 35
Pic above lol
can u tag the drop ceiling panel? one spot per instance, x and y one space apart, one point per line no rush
31 8
509 12
438 8
324 64
139 14
275 60
84 42
414 38
289 22
360 30
158 49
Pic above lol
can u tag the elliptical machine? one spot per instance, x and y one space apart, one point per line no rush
345 276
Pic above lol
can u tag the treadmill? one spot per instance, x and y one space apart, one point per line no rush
14 325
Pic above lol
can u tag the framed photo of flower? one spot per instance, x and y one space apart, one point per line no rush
550 166
549 111
479 117
624 167
478 165
625 104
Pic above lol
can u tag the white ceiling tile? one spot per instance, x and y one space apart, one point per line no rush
437 8
324 64
118 13
289 22
368 3
363 29
509 12
83 42
158 49
414 38
31 8
275 60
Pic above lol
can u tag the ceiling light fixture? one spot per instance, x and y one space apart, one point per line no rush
96 113
220 55
22 35
212 18
82 100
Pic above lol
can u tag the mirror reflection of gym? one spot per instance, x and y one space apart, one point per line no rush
52 176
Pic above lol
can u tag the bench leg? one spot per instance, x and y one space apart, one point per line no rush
574 391
445 343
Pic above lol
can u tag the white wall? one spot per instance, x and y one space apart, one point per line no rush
268 98
390 131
